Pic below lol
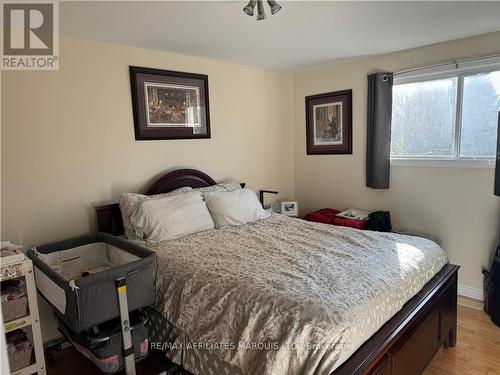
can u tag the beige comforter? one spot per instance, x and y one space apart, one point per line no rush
284 296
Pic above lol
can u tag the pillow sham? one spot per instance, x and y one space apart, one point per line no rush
232 208
222 186
171 217
129 203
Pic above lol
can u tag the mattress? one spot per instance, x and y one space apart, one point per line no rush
283 295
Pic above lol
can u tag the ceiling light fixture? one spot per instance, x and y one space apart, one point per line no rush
275 7
250 7
261 14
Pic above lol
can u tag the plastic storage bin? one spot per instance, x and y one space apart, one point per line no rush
103 345
14 299
19 349
77 277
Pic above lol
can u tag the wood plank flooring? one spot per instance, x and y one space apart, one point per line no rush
71 362
477 351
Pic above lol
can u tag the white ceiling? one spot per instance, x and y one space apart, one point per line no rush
304 34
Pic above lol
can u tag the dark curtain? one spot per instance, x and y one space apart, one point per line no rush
378 143
497 169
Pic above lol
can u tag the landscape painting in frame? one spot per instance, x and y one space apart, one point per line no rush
172 105
169 105
329 123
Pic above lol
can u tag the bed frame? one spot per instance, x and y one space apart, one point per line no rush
403 346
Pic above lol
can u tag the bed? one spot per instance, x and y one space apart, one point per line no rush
317 298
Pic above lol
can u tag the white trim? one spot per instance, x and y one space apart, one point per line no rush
470 292
445 162
447 69
459 102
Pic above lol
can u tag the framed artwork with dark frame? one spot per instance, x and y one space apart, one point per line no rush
169 105
329 123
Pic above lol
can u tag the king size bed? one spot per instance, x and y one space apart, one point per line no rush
286 296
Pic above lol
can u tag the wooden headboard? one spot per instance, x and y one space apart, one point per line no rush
109 218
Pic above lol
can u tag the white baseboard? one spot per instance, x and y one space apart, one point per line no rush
470 292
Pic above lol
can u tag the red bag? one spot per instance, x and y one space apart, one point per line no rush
343 222
325 215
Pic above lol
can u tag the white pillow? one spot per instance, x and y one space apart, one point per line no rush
229 185
129 203
237 207
171 217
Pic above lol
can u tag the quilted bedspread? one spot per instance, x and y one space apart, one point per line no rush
283 295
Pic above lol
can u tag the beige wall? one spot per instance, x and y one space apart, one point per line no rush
68 140
455 203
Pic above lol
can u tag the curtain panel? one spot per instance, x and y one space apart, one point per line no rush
378 144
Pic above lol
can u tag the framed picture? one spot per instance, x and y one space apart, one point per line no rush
169 105
329 123
290 208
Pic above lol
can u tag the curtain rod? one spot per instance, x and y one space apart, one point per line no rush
444 63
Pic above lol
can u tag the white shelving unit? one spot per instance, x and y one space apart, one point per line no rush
17 266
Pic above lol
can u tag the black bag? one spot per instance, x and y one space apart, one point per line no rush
495 303
379 221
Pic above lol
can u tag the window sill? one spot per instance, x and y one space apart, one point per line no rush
453 162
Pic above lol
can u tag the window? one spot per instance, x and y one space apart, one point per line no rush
480 106
423 118
446 115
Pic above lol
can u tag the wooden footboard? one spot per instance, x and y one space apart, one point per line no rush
406 343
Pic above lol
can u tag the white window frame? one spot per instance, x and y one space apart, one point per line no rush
449 70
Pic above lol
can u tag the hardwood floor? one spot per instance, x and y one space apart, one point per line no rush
477 351
69 361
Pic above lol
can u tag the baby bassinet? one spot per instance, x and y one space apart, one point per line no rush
78 277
